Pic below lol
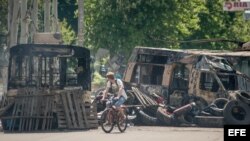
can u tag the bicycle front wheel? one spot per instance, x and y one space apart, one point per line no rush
122 121
107 122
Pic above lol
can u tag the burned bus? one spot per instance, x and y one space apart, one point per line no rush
48 88
183 76
50 66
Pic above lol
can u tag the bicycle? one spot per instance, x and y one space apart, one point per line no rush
111 117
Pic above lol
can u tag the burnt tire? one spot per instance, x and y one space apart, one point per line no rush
243 97
216 111
146 119
220 102
237 112
209 121
163 117
218 106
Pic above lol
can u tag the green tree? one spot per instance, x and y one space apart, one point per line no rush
68 34
219 24
122 25
66 11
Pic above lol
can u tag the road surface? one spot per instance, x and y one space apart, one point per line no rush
135 133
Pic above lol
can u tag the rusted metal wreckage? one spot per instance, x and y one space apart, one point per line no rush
48 89
208 78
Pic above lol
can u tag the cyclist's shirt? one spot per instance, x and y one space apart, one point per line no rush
114 88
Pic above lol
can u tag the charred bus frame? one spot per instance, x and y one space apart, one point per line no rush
48 88
176 74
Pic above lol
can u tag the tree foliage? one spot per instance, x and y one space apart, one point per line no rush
121 25
216 23
68 34
66 11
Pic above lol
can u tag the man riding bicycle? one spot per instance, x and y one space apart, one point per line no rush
114 113
115 87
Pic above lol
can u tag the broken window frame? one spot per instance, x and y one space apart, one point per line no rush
229 82
179 72
217 79
148 78
243 82
208 82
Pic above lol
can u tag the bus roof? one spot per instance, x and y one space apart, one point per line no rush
165 51
49 50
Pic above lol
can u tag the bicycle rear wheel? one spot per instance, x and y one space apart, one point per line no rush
106 123
122 122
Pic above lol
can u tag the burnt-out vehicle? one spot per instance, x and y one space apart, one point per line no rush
183 76
51 66
48 88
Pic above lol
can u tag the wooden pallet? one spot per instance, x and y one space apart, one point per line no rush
40 110
73 113
91 112
32 111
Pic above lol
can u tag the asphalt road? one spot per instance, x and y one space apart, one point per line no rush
135 133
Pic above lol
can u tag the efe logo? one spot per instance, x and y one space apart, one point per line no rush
236 132
241 132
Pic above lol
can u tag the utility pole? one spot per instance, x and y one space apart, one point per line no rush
80 22
47 16
14 21
25 17
55 17
34 19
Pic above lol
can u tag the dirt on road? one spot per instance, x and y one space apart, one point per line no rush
135 133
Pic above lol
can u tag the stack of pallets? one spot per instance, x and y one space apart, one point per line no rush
32 111
45 110
74 113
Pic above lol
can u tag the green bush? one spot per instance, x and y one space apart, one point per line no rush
98 80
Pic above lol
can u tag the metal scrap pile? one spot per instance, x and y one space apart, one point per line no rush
197 113
206 77
154 113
